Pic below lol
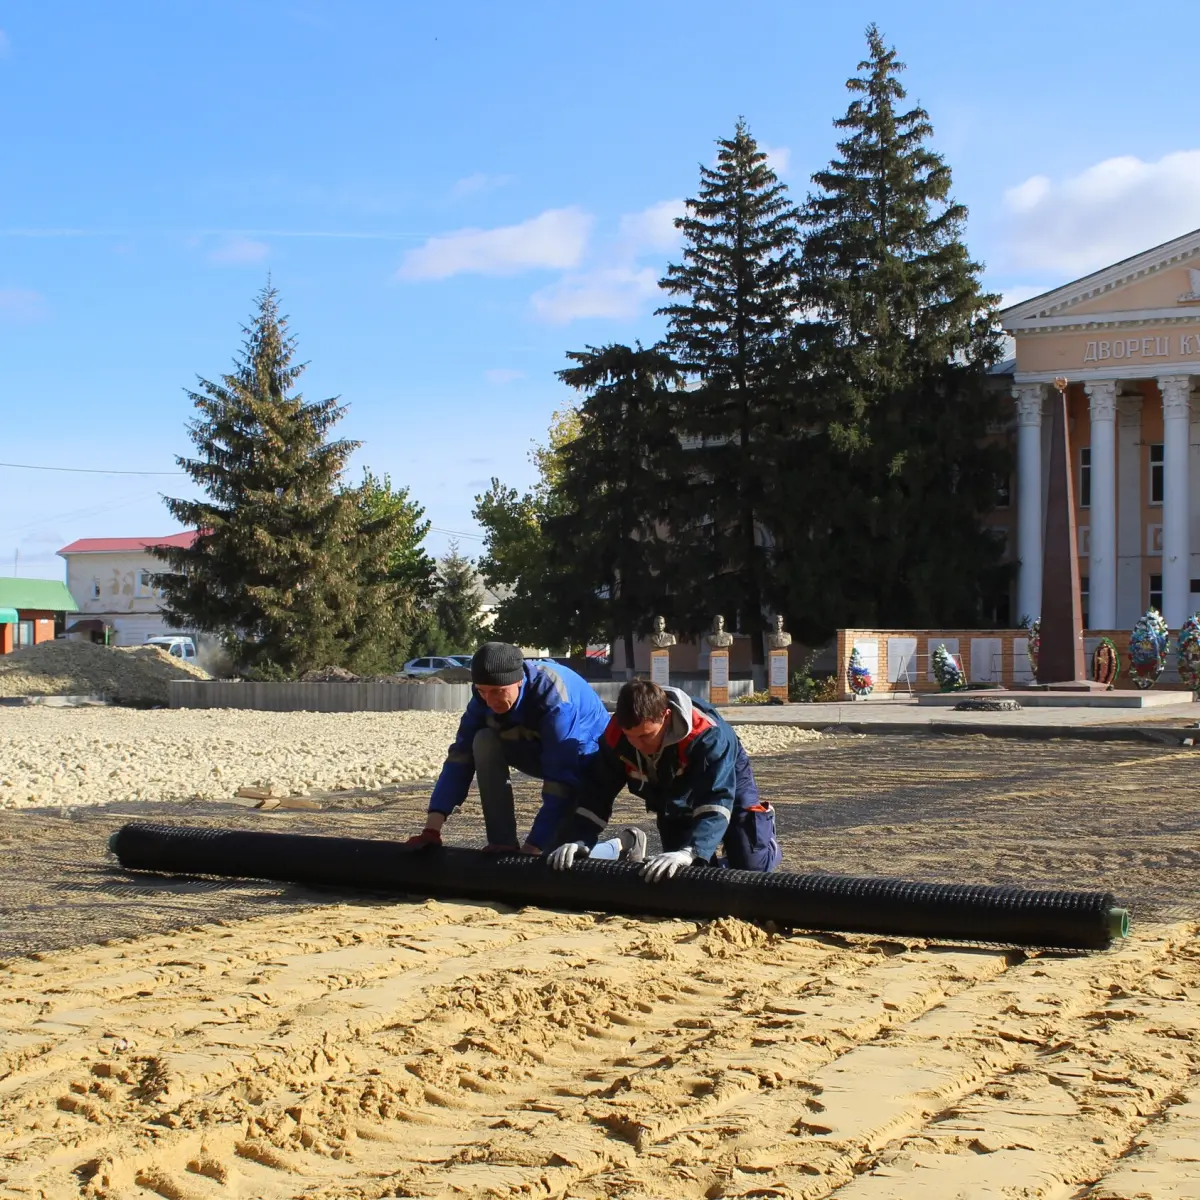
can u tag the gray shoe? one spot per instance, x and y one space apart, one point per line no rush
633 845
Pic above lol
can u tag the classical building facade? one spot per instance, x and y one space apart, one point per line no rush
1127 339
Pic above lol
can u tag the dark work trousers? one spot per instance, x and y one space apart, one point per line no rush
750 843
494 756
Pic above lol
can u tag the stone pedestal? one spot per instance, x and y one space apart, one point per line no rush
660 667
777 678
718 677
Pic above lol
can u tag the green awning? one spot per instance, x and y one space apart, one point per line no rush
40 595
8 616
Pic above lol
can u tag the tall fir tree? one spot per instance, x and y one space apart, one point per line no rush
457 602
886 503
284 567
737 297
615 482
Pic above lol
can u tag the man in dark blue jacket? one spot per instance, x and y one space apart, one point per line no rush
539 717
680 756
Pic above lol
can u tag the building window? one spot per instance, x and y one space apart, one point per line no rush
1156 592
145 585
1003 491
1085 477
1156 473
22 634
1083 599
95 589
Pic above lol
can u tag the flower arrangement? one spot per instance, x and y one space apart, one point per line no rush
859 676
1188 651
946 671
1035 644
1148 649
1106 662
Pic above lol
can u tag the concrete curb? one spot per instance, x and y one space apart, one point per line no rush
1161 734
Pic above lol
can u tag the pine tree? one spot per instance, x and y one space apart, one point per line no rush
615 482
284 568
737 292
891 491
458 600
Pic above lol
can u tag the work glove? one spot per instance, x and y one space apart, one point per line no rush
668 864
563 859
425 839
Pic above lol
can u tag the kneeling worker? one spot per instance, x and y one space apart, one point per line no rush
687 763
539 717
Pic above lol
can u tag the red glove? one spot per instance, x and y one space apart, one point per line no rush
427 837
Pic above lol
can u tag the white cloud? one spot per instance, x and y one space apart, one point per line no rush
239 252
20 304
1107 212
473 185
653 228
778 158
605 292
555 239
499 376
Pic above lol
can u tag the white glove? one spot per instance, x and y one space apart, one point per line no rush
563 858
668 864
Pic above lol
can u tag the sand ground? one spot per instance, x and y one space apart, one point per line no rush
190 1039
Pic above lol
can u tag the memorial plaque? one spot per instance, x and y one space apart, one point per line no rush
660 667
778 677
718 677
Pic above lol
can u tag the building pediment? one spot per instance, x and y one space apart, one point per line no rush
1160 286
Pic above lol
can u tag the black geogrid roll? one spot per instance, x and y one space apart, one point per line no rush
1077 920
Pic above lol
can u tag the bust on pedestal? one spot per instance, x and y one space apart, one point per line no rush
718 661
777 658
660 656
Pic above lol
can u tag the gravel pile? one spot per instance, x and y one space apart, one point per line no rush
136 675
104 755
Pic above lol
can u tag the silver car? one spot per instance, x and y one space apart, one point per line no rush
429 665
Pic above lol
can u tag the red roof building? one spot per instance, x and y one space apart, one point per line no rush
113 582
127 545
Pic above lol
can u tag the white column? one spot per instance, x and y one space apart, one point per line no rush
1130 531
1029 397
1176 539
1102 556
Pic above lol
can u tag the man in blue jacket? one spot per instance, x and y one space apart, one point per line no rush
539 717
680 756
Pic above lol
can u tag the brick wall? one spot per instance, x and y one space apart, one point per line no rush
987 656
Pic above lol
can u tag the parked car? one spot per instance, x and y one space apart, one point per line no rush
427 666
463 660
176 647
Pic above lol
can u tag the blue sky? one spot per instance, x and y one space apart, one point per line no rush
449 197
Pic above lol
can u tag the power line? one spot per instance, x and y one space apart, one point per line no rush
455 533
83 470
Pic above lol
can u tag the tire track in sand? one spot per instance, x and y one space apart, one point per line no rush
443 1049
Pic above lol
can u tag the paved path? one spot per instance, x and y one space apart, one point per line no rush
906 716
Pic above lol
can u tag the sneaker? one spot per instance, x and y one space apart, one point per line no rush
633 845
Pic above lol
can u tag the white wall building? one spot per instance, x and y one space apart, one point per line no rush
1127 339
109 578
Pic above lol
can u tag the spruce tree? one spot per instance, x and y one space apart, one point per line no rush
615 483
886 502
737 296
284 567
457 602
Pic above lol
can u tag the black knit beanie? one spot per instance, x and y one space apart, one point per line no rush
497 664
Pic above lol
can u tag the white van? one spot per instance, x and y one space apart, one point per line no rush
176 647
